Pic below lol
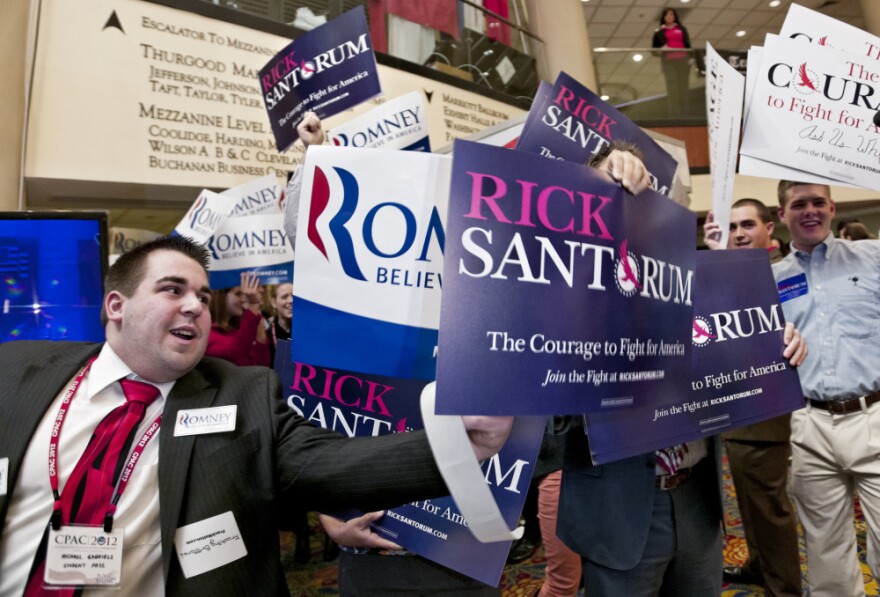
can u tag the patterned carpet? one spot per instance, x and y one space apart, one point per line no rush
736 552
318 578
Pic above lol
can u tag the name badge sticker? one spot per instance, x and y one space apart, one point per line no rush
793 287
208 544
4 475
81 556
205 420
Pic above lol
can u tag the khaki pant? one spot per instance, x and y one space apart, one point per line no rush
832 456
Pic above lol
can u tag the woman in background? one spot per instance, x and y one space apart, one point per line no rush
282 305
672 34
238 332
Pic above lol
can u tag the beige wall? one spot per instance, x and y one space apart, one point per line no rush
562 26
109 127
13 39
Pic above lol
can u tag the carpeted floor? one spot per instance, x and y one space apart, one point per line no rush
736 552
318 578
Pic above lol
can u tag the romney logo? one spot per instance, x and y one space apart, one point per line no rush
202 217
385 240
195 212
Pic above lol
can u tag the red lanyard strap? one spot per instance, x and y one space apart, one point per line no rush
53 441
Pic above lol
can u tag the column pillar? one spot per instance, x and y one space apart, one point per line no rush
562 26
13 43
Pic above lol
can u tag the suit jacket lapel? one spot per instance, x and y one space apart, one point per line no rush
40 384
191 391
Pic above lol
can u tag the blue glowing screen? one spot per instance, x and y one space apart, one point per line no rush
51 276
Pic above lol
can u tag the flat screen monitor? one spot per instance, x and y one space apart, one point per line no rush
52 267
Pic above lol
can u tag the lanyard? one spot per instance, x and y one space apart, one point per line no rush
53 454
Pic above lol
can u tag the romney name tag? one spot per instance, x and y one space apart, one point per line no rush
198 421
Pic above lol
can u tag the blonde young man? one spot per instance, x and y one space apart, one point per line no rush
830 289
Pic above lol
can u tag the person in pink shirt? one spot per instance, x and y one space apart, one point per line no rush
238 332
672 34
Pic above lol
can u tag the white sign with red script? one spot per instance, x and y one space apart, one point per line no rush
814 111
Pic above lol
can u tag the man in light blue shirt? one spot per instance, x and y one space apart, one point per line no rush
830 290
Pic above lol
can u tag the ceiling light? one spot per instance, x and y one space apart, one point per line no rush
775 3
638 57
741 33
604 98
685 1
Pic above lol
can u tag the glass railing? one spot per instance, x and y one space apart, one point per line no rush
657 85
458 37
497 51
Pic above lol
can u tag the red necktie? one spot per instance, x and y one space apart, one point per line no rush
86 496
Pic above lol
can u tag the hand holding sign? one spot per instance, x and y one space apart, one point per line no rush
712 232
628 170
487 434
309 130
570 122
356 532
796 349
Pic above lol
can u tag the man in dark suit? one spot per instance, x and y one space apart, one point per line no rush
759 454
157 324
641 530
638 534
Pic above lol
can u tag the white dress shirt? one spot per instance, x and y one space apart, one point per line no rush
138 511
